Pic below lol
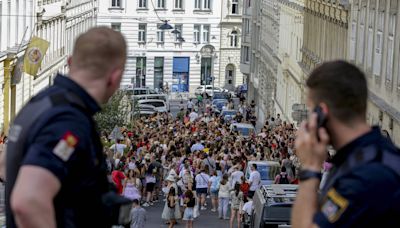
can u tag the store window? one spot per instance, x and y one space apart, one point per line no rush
180 74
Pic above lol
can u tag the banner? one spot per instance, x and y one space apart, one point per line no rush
34 55
17 71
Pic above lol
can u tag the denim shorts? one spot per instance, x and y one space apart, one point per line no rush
188 214
201 191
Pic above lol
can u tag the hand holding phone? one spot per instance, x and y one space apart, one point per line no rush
321 119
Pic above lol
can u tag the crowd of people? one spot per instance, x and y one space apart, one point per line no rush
195 156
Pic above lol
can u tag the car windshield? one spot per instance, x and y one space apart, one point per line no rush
221 96
267 172
155 103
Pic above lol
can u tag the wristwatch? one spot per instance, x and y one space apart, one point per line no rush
306 174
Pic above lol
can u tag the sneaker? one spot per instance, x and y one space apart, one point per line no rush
151 203
203 208
146 205
208 197
205 204
213 210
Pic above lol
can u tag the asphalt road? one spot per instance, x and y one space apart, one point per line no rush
207 219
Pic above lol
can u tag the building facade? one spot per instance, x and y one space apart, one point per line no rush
374 45
22 19
289 84
259 61
181 58
231 30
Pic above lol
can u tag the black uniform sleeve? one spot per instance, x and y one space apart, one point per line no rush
358 198
57 145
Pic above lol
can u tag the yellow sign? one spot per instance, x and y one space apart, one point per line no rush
34 55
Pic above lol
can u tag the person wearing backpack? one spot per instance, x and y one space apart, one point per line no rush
283 177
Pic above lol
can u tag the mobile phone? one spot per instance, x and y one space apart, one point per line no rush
321 119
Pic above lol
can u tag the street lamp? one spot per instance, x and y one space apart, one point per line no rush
165 26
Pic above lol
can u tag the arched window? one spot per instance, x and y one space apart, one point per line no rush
234 39
230 76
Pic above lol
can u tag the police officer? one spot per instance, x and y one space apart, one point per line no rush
61 176
363 188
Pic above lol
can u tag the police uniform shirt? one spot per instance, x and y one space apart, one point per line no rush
62 143
368 195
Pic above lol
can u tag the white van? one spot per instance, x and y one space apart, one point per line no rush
159 105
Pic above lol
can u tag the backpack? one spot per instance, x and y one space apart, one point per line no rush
284 179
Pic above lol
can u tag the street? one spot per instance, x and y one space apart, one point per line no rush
206 218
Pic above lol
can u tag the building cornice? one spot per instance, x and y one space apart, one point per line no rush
293 5
334 13
384 106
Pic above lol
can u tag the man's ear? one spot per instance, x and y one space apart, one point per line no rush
69 61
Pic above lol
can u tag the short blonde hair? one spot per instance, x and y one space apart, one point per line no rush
99 50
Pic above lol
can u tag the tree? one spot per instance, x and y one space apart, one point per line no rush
114 113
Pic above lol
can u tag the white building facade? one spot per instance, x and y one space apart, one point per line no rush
231 30
47 19
181 58
374 45
290 86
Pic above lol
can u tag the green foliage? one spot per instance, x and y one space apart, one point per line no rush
114 113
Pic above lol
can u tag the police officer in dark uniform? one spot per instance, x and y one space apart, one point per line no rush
56 171
363 187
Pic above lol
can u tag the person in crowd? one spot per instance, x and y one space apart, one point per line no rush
255 179
189 204
132 185
150 179
244 187
223 197
172 201
236 197
247 212
118 177
190 105
119 147
202 187
283 177
138 215
214 188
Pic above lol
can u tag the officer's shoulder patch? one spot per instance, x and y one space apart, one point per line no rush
334 205
66 146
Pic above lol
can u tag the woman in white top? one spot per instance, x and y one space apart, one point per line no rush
223 198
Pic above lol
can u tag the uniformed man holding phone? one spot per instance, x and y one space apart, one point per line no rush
363 188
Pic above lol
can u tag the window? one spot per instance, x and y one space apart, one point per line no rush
229 75
197 4
142 4
206 34
180 75
158 72
202 4
246 54
116 27
234 39
369 48
379 45
178 4
196 34
246 26
207 4
115 3
178 27
142 33
160 34
161 4
140 72
206 71
235 7
390 57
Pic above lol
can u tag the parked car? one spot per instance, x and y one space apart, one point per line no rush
147 110
163 97
228 114
160 105
267 169
222 95
245 129
218 104
209 90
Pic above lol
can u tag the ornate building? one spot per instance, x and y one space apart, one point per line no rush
49 20
289 79
231 30
374 45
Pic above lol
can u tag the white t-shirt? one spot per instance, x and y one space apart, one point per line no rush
118 148
236 177
255 180
193 116
202 180
248 207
